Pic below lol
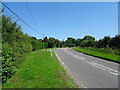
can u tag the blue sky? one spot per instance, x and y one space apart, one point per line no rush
67 19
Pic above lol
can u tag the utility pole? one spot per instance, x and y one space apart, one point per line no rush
43 42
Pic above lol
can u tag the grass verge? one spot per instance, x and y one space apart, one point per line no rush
40 70
111 57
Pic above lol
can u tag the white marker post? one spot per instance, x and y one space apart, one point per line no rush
50 53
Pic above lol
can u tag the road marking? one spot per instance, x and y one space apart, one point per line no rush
62 62
106 67
112 71
84 86
67 52
116 72
50 52
76 56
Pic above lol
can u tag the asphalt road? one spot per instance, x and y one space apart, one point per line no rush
88 71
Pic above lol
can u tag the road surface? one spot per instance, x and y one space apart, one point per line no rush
88 71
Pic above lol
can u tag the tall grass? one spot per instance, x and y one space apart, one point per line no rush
40 70
104 50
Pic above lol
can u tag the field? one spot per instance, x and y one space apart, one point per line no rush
105 53
40 70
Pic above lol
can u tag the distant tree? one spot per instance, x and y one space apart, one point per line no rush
105 41
51 42
78 42
57 43
45 39
87 41
40 40
115 42
70 42
102 43
87 37
62 44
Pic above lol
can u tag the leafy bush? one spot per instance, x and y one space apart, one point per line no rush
8 60
16 46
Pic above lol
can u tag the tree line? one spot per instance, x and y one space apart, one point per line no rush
86 41
16 45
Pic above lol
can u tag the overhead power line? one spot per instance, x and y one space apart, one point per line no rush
33 20
20 18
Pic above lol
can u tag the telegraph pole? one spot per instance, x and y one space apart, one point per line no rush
43 42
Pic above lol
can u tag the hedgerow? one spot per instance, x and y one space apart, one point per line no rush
15 47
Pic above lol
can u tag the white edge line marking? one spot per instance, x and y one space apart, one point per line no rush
84 86
62 62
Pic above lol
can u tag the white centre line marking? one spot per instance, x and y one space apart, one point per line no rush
76 56
112 71
106 67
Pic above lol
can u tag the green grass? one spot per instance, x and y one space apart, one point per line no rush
43 71
99 53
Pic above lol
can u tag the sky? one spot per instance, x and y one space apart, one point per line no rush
66 19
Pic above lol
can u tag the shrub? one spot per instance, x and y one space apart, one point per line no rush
7 62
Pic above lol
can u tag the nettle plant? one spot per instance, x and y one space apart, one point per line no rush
7 62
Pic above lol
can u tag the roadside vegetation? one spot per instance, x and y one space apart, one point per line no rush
105 53
16 46
40 70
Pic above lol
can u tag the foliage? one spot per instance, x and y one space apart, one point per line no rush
40 70
86 41
70 42
89 41
35 44
103 42
115 42
16 46
100 53
51 42
7 62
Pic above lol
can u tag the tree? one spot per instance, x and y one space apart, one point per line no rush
45 39
87 41
102 43
70 42
115 42
51 42
16 46
78 42
87 37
